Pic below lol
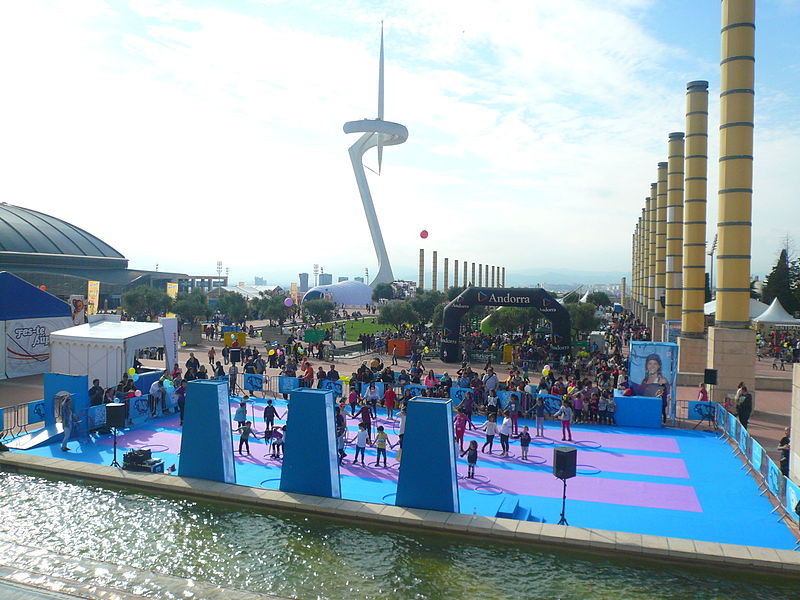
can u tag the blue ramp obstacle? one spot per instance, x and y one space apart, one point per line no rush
207 438
310 464
427 476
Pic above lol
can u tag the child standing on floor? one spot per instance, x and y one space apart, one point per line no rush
524 442
278 433
245 431
611 409
240 416
472 458
490 427
539 410
460 425
381 438
565 413
361 443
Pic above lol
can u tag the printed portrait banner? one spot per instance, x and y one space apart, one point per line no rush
774 478
92 297
78 306
172 292
229 336
792 498
27 344
756 455
378 386
651 366
253 382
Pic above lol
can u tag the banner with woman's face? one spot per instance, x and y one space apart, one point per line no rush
653 368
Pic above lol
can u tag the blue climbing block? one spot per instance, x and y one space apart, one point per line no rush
427 476
207 439
78 388
310 464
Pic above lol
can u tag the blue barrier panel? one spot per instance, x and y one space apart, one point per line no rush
427 477
505 397
139 409
336 387
310 463
551 403
733 423
253 382
743 435
287 384
78 388
756 455
792 499
207 438
2 426
36 412
700 411
457 394
637 411
378 386
415 388
146 379
774 478
97 416
721 418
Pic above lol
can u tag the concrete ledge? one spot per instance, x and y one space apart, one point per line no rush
596 541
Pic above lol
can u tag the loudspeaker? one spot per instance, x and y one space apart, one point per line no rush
115 415
236 355
565 461
710 377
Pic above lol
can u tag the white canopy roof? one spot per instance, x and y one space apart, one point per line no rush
776 315
756 308
146 334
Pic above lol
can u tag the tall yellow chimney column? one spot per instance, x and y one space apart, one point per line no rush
421 283
731 344
674 264
661 251
455 273
434 272
693 348
446 275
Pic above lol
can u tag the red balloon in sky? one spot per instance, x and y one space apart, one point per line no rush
423 234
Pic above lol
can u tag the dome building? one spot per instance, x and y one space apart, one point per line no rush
45 250
348 293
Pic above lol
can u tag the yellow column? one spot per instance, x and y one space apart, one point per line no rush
446 275
651 242
694 210
480 275
434 272
493 276
455 273
642 267
735 163
731 343
465 274
421 283
486 275
674 265
622 292
472 281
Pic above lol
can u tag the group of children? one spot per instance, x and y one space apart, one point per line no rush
272 436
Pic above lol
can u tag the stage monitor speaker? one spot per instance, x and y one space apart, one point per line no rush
710 377
565 461
115 415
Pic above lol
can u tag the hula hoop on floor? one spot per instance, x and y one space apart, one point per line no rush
488 490
478 479
588 444
594 470
386 496
271 479
151 447
535 462
545 441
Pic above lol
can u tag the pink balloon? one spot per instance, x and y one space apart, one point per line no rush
423 234
137 393
288 302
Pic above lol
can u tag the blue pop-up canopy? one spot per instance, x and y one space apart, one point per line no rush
21 300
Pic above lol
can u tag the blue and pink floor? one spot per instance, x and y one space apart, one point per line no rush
671 482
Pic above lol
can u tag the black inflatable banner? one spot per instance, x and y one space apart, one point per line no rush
537 298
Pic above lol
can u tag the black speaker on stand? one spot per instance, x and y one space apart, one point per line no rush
115 418
565 462
710 377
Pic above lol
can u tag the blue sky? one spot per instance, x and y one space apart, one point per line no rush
189 132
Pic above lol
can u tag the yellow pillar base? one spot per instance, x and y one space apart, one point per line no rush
732 352
794 455
657 328
693 355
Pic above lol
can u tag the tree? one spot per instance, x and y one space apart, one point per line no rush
397 314
779 284
273 308
145 302
190 307
233 305
319 310
513 318
599 299
571 298
582 316
424 303
453 292
383 291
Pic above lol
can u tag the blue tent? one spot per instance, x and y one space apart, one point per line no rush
21 300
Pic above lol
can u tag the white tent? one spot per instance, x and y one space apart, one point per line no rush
756 308
776 315
103 350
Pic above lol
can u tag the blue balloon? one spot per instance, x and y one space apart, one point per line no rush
135 377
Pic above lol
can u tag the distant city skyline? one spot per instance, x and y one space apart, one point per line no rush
171 131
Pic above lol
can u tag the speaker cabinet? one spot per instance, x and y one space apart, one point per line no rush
115 415
710 377
565 460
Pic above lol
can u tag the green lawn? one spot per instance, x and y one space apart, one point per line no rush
356 328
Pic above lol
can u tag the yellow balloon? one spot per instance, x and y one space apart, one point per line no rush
131 371
183 343
271 352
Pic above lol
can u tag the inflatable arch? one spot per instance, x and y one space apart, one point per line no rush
537 298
